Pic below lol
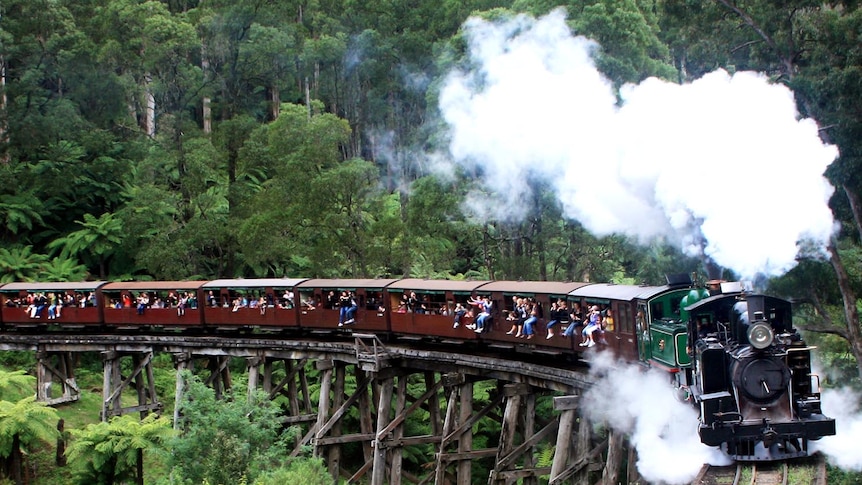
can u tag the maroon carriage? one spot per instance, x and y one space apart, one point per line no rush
621 301
69 303
542 294
322 302
258 302
159 303
433 307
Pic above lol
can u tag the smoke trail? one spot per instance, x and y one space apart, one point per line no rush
721 165
642 405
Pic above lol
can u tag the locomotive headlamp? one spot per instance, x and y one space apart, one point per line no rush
760 335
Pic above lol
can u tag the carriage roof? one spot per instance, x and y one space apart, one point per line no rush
254 283
620 292
53 286
530 287
437 285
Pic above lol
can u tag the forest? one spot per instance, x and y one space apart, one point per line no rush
201 139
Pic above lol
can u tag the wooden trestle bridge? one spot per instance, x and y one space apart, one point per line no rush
579 454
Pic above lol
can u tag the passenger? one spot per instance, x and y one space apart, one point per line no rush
593 324
31 306
212 301
331 300
237 304
41 302
69 300
371 302
59 303
287 298
533 311
424 305
143 302
484 306
606 326
512 317
412 302
52 306
553 318
459 313
563 314
182 301
577 321
309 304
127 300
351 310
261 303
343 305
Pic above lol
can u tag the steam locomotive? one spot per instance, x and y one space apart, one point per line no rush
751 378
734 355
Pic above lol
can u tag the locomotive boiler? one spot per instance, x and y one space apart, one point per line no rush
751 378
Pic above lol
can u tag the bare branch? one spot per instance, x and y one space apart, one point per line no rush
827 330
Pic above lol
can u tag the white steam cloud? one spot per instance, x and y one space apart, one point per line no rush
661 428
721 166
842 449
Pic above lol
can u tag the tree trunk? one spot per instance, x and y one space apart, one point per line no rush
4 127
851 313
855 207
16 465
206 108
139 479
150 108
60 459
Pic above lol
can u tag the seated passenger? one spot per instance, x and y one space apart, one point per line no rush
593 324
459 313
143 302
182 302
558 308
483 306
607 325
512 317
309 304
520 316
534 311
52 306
577 321
351 310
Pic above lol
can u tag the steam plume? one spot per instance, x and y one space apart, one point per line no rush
842 449
641 405
721 166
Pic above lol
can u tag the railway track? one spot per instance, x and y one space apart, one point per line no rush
798 472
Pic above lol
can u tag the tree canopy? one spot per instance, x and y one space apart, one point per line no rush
179 139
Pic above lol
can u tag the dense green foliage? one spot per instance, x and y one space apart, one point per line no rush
208 139
112 452
226 440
